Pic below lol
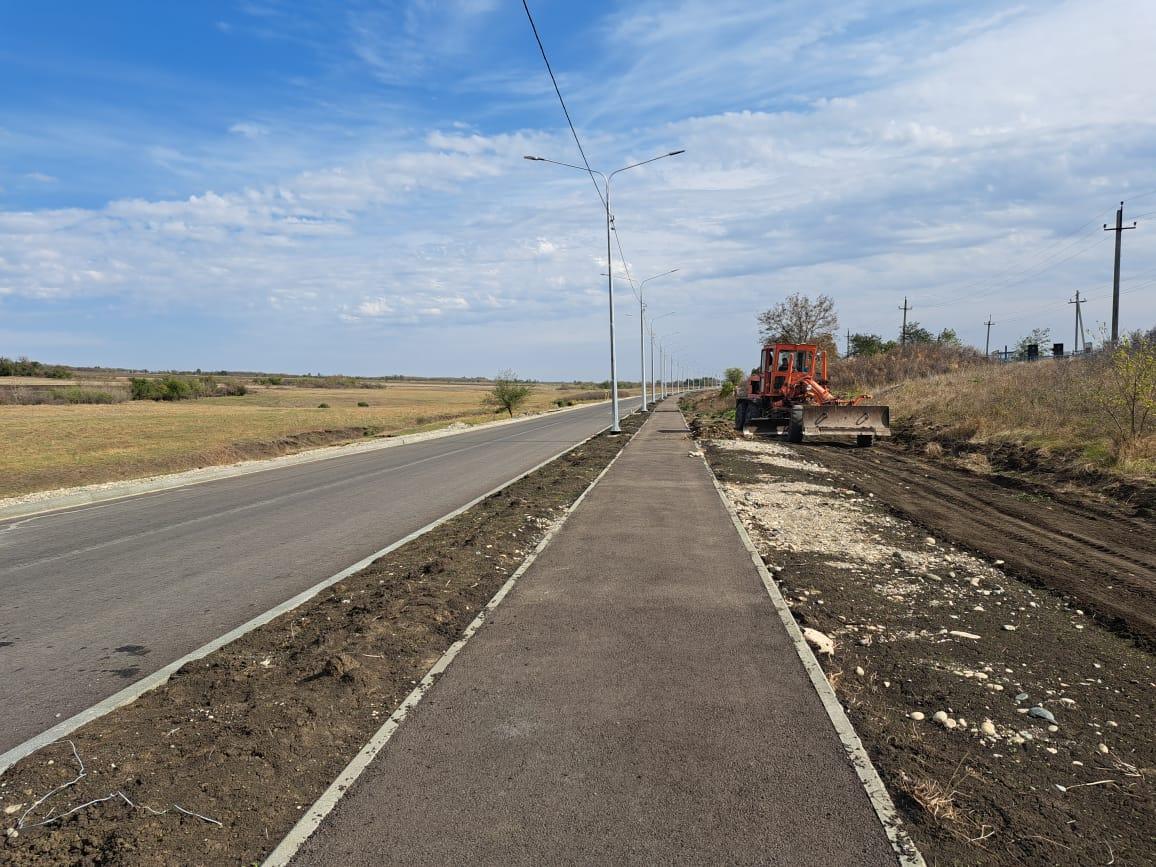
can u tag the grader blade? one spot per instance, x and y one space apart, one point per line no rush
826 420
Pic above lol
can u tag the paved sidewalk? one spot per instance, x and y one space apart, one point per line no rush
635 699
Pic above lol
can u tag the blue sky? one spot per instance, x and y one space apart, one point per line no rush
340 186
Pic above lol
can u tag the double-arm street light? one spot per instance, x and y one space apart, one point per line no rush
614 417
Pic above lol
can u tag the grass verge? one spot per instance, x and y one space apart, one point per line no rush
56 446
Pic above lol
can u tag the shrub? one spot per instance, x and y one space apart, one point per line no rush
363 403
89 395
170 388
323 406
1127 396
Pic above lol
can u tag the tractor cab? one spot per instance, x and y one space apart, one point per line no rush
785 365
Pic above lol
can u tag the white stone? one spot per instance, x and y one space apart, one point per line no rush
916 715
939 716
988 728
820 642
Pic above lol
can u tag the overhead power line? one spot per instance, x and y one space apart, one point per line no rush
565 111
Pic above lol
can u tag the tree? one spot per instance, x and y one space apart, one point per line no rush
508 393
733 379
1129 401
948 337
870 344
799 319
916 333
1039 336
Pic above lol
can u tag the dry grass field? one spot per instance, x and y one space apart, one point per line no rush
55 446
1056 406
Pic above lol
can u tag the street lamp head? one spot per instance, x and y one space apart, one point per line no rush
676 153
536 159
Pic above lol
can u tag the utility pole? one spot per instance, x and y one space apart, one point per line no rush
987 342
847 353
1119 230
903 333
1078 342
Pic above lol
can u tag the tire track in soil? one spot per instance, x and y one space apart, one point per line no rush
1104 559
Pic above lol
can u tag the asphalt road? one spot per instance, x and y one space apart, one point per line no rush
636 699
96 597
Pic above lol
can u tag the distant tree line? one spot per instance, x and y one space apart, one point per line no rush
27 367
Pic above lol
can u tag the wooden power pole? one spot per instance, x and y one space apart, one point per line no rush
1119 229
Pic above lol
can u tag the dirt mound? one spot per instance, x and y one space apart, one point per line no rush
708 428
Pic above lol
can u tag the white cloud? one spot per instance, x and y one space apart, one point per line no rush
941 163
249 130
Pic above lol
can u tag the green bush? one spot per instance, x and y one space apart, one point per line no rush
323 406
363 403
89 395
170 388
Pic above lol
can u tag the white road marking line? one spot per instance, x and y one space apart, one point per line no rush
157 678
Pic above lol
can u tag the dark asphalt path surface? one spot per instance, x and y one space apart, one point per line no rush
96 597
635 699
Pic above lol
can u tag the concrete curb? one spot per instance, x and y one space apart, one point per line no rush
323 806
41 503
905 849
157 678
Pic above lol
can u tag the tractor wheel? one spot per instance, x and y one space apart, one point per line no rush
795 428
864 441
740 415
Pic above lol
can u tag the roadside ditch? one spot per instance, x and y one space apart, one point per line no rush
1009 726
218 764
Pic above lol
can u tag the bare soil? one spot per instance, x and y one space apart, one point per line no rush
1059 469
924 627
247 738
1095 551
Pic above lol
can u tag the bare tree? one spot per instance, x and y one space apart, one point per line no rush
508 393
799 319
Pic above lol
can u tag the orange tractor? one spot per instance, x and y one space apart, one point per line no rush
789 392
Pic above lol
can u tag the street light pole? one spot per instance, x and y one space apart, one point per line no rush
642 333
614 417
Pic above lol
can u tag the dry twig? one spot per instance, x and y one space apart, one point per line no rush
23 823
